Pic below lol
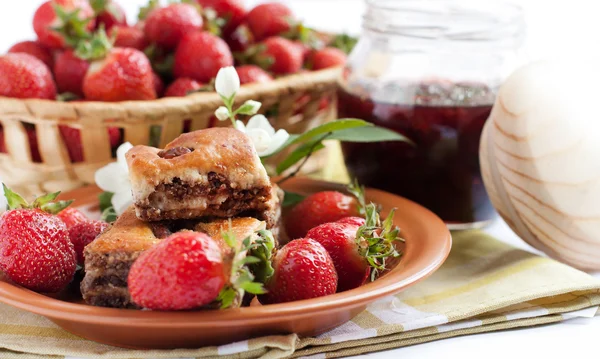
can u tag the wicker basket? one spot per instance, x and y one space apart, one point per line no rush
291 102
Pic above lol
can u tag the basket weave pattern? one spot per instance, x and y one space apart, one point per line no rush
292 100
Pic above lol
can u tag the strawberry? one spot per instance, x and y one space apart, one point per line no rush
303 270
240 39
72 138
108 13
166 26
357 221
215 55
232 11
183 271
280 56
159 85
59 23
252 74
269 19
35 49
2 141
124 74
72 216
35 250
182 86
69 71
359 252
319 208
327 57
129 36
24 76
33 143
83 234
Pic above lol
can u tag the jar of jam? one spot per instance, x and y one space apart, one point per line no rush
429 69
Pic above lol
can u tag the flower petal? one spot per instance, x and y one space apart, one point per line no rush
122 200
277 141
121 151
227 82
112 177
222 113
239 125
261 140
260 122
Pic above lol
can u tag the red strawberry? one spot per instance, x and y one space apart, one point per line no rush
124 74
72 138
74 18
35 49
129 36
269 19
328 57
357 221
303 270
215 54
2 143
319 208
182 86
233 11
33 143
35 250
355 250
166 26
108 13
83 234
184 271
159 85
240 39
280 56
69 71
252 74
72 216
24 76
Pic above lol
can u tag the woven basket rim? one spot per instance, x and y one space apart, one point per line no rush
41 108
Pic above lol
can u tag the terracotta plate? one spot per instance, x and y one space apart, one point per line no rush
428 243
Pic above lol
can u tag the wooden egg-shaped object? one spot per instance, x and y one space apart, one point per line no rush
540 159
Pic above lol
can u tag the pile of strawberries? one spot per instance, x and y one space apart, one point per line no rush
87 51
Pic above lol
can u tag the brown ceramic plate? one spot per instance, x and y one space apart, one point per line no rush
428 243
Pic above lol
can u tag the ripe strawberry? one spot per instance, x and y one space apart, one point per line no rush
33 143
319 208
124 74
233 11
184 271
269 19
166 26
280 56
328 57
35 49
59 23
129 36
69 71
303 270
357 221
83 234
215 55
35 250
159 85
2 143
182 86
72 216
252 74
24 76
72 138
108 13
358 251
240 39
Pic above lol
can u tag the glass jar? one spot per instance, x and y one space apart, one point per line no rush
429 69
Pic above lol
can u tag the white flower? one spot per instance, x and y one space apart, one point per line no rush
114 177
263 135
222 113
250 107
3 201
227 82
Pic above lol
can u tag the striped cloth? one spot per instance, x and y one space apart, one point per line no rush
485 285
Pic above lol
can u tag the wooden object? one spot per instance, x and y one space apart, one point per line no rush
540 159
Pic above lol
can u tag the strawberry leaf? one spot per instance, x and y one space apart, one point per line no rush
105 199
263 248
42 200
344 42
358 192
291 199
227 297
95 48
54 207
253 288
14 200
109 215
70 26
145 10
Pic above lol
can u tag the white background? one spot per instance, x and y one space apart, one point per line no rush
565 28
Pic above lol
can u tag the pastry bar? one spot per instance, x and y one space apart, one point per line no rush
109 257
213 172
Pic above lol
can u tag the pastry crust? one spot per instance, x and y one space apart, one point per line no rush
211 172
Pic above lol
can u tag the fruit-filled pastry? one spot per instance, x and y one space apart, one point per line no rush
109 257
214 172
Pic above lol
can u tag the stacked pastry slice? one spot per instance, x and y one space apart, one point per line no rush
202 181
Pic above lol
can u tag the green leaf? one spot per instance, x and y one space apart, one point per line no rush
332 126
291 199
55 207
145 10
105 200
254 288
263 250
109 215
344 42
298 154
368 134
227 297
66 97
47 198
250 260
14 200
95 48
